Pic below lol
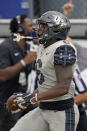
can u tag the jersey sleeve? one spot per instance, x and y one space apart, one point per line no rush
64 55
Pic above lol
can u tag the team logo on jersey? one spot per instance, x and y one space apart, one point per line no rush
16 54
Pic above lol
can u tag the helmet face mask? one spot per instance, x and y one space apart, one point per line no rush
42 29
58 26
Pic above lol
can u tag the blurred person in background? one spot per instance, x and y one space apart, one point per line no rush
15 66
79 76
33 44
67 10
80 79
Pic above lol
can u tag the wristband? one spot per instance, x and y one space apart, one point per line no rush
23 62
36 97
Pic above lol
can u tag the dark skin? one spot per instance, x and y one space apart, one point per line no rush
64 77
9 72
80 98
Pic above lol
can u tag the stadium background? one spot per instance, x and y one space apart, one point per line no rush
34 8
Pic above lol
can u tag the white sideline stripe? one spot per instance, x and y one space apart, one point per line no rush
1 40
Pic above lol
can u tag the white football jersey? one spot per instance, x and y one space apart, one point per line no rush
46 70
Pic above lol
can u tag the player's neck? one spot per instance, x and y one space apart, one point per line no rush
50 42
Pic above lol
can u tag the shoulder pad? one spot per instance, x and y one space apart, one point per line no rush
64 55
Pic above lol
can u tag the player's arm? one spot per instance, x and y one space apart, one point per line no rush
64 77
80 98
63 68
36 91
10 72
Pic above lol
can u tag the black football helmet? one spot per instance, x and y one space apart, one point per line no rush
58 26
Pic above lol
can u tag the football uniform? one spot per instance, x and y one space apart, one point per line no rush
47 119
58 113
46 69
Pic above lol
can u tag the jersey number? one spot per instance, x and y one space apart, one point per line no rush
40 75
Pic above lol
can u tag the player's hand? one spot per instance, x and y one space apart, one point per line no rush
34 100
18 102
30 57
68 7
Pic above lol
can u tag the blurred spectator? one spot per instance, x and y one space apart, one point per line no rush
68 9
33 47
15 66
79 77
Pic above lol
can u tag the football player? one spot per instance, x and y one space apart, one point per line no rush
56 61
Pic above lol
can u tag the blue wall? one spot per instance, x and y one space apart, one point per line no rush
11 8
